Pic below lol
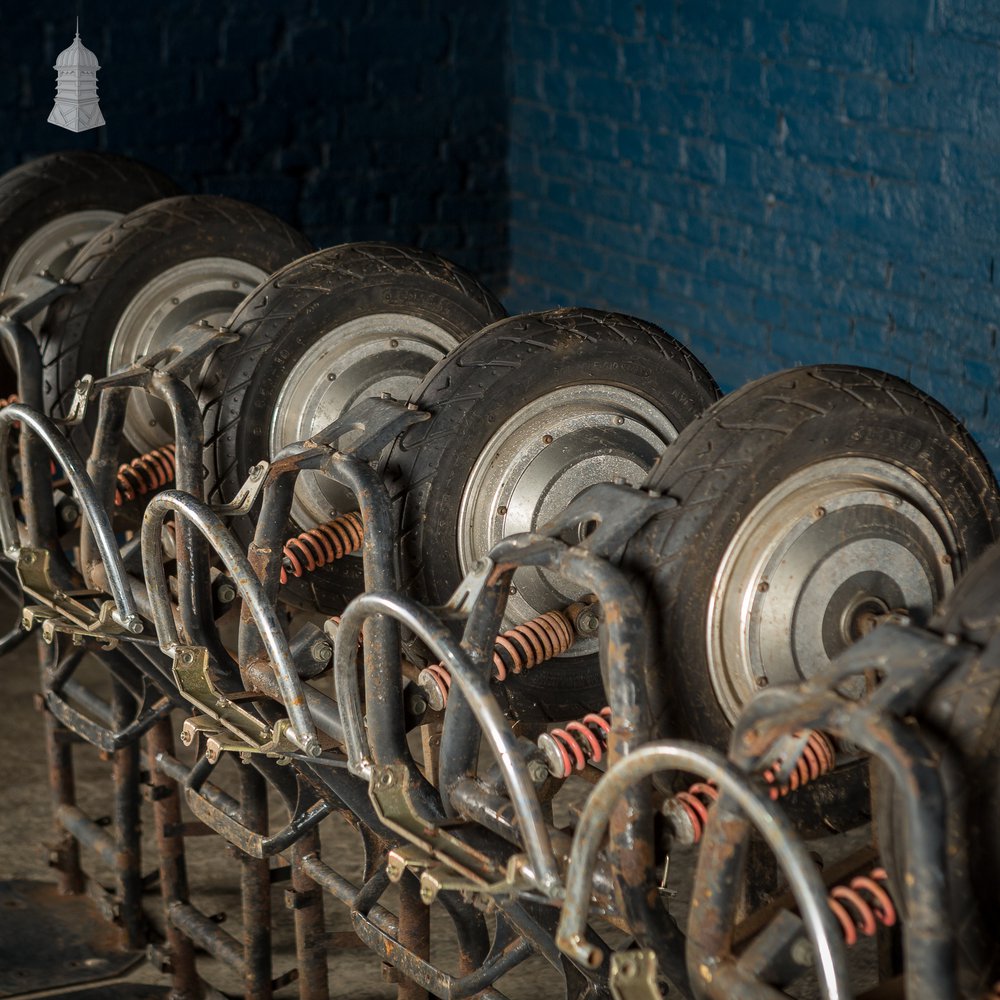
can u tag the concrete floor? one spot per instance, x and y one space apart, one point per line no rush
25 826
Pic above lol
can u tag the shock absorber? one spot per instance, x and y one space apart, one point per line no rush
862 904
687 810
145 474
816 757
321 545
520 648
579 742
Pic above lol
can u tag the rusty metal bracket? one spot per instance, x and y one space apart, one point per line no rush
377 422
225 725
634 975
246 495
31 295
60 610
193 346
433 843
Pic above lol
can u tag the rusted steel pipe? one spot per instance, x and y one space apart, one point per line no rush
476 688
773 824
303 730
255 891
206 934
38 508
165 794
310 934
93 511
95 838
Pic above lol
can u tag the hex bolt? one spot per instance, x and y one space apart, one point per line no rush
802 953
227 593
321 651
69 513
588 622
538 771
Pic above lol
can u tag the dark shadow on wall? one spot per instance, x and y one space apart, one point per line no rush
375 119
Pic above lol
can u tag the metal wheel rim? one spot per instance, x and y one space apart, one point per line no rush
813 565
541 459
207 288
365 356
52 248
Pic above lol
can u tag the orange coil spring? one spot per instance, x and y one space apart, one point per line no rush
436 675
817 758
691 806
145 474
7 400
534 642
520 648
862 905
688 810
581 741
321 545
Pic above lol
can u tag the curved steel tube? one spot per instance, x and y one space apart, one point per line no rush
303 730
125 612
476 689
769 819
40 515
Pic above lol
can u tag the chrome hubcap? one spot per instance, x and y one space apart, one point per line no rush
208 288
540 460
383 352
53 247
815 566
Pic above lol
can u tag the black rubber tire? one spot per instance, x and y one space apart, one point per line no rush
124 258
960 719
43 190
282 320
46 189
470 394
744 447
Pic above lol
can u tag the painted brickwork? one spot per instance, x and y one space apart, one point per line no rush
354 119
774 181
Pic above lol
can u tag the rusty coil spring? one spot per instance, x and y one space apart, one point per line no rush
520 648
535 641
145 474
817 758
573 746
688 809
7 400
323 544
864 913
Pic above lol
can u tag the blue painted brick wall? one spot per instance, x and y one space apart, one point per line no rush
355 119
774 181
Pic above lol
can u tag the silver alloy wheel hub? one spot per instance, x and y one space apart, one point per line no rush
815 565
52 248
540 460
366 356
207 288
